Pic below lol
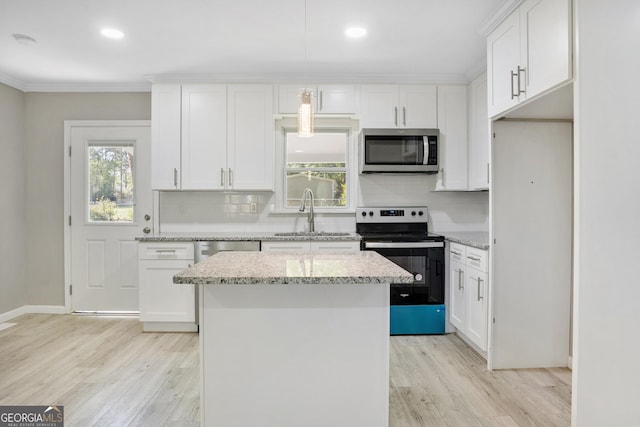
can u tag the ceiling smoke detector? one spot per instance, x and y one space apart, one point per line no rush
24 39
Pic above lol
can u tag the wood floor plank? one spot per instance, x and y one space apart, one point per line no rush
107 372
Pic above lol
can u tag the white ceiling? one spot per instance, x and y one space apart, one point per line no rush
240 40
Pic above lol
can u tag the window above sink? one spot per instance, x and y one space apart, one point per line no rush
326 163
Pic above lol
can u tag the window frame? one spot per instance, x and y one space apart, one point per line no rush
348 125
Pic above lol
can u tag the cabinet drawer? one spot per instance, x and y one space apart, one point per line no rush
457 252
477 258
165 251
336 246
285 246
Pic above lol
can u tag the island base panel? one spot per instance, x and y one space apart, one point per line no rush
292 355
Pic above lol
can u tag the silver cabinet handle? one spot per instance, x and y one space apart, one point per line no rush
460 273
520 70
404 116
320 109
395 109
473 258
175 177
444 181
172 251
487 172
222 177
514 95
479 296
230 178
455 252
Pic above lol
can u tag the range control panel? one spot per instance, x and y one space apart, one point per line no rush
390 214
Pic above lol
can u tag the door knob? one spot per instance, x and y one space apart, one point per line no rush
146 230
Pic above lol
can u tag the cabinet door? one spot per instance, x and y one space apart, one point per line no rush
418 106
336 99
204 136
503 58
457 305
479 135
289 97
335 246
165 136
251 138
476 300
452 122
379 106
285 246
545 43
160 299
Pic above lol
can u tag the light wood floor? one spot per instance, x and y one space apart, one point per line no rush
106 372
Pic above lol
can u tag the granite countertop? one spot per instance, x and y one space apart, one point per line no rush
476 239
247 235
242 268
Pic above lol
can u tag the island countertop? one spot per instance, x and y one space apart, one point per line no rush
246 268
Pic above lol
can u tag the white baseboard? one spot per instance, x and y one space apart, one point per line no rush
27 309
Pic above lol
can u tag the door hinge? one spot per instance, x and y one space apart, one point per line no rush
69 151
70 289
69 220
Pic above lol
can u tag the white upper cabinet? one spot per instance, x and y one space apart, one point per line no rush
204 136
479 136
212 137
452 122
165 136
529 53
393 106
250 139
327 98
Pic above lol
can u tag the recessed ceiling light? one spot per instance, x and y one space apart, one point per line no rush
24 39
112 33
355 32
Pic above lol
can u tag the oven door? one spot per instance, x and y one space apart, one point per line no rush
425 260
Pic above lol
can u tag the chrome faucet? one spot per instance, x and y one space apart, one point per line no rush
308 193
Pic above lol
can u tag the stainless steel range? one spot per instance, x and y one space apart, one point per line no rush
401 234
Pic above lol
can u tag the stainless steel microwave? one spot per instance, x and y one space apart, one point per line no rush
399 150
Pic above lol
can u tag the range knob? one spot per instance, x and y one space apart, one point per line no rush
370 213
364 213
420 213
413 213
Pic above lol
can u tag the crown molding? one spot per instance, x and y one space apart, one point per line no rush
10 81
75 86
501 13
354 78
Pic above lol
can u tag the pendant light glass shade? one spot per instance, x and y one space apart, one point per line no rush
305 115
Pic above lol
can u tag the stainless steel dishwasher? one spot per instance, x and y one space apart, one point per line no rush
204 249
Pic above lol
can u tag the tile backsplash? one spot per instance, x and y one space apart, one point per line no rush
189 211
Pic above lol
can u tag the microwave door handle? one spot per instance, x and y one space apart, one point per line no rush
425 148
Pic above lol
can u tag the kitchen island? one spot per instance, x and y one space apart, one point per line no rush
294 339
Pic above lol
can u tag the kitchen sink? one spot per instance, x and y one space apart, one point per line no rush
310 233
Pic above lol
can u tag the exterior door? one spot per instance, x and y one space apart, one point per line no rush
110 204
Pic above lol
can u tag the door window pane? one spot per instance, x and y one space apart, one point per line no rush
111 182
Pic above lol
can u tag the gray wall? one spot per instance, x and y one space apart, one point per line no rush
45 114
12 199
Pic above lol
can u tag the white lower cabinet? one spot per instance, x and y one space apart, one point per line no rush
165 306
313 245
469 292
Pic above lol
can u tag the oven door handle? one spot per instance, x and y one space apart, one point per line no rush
402 245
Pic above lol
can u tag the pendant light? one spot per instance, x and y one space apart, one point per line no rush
305 111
